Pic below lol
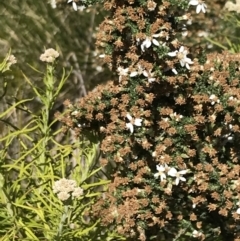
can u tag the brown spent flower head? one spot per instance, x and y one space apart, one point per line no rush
151 5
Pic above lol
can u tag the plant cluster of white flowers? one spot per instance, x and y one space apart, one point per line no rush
181 54
66 188
164 170
49 55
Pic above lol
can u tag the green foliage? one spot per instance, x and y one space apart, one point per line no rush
231 43
32 158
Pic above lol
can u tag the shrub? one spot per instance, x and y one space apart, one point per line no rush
168 124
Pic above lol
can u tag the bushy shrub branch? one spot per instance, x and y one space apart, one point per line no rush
169 123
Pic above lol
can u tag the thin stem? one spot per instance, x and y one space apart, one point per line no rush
62 220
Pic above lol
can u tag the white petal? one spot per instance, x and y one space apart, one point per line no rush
148 42
69 1
145 73
155 42
177 181
174 71
150 80
238 211
188 60
156 35
182 179
193 2
143 47
133 74
137 122
123 71
187 66
75 7
163 176
130 127
181 49
182 62
172 172
183 172
156 175
129 117
172 54
160 168
199 8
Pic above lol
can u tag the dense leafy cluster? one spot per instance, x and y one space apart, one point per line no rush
169 123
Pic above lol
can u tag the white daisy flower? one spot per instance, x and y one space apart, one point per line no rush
136 122
148 42
122 72
149 75
178 174
137 72
181 54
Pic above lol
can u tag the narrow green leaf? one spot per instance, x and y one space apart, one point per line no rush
28 232
13 106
